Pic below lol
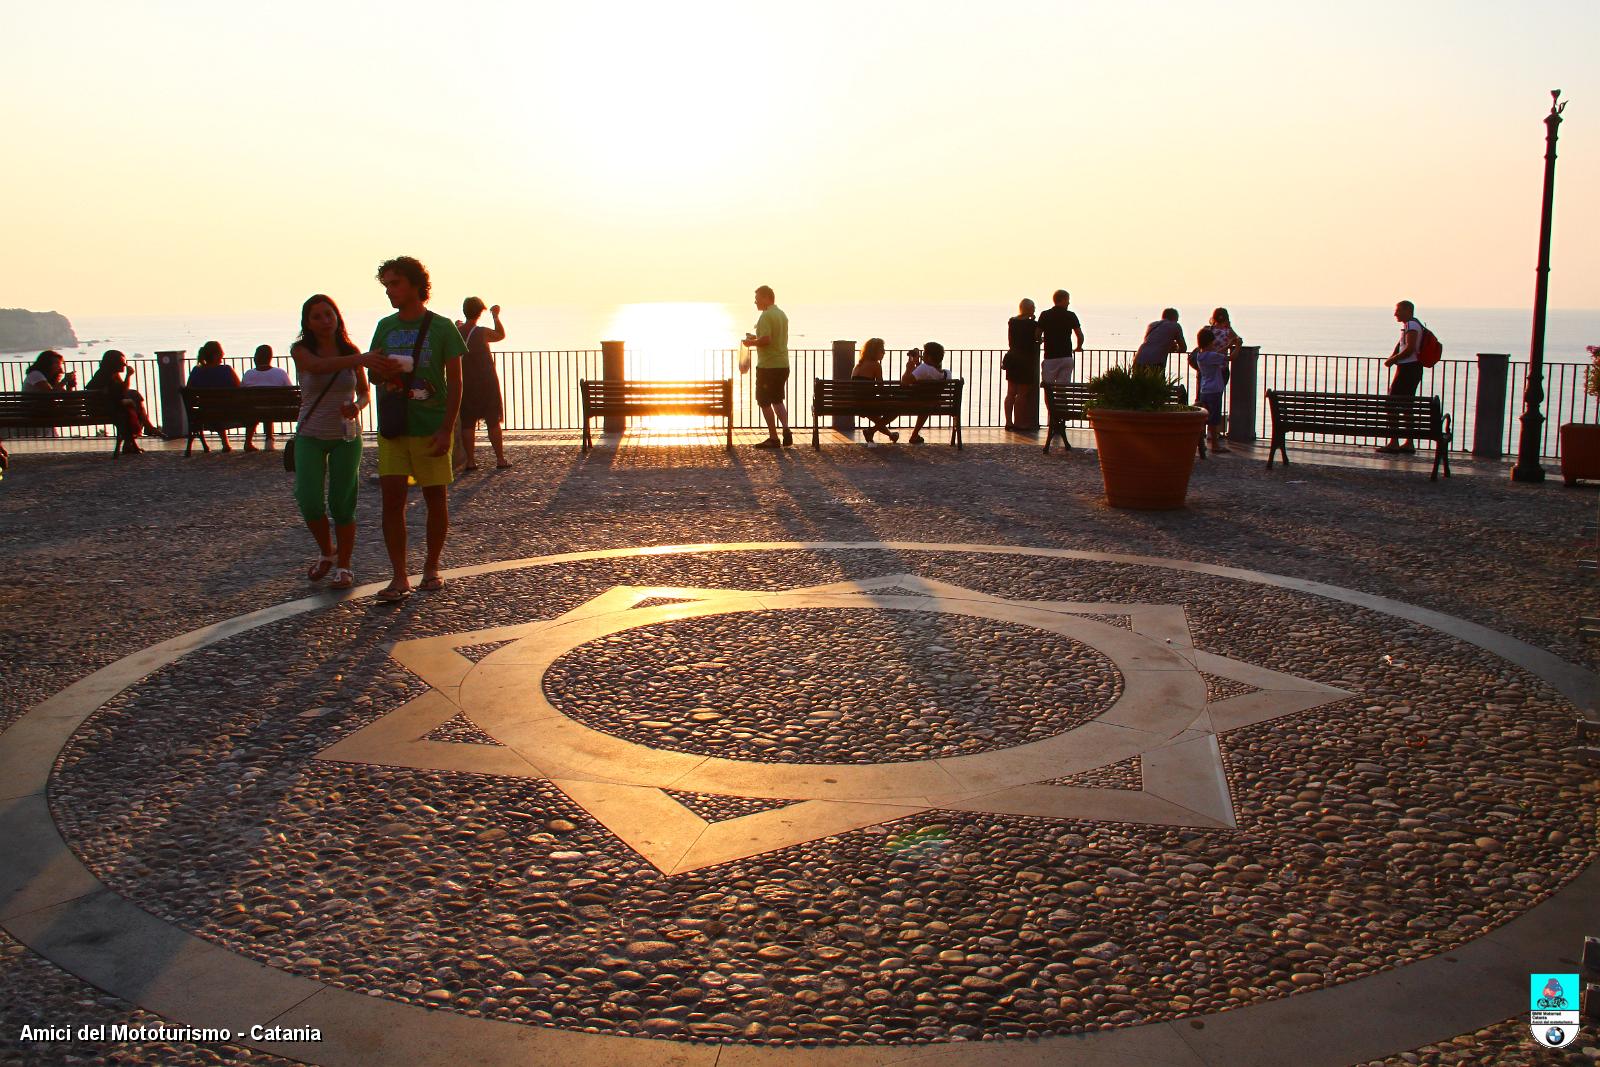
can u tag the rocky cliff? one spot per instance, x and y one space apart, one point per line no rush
23 331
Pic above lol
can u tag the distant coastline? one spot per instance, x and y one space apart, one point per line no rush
22 330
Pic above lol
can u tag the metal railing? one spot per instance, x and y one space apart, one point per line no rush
540 388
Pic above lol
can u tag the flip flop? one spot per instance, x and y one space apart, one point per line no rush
431 583
392 596
320 568
341 578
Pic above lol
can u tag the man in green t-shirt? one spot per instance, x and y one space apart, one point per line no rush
422 453
770 339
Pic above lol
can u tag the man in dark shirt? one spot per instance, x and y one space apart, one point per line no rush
1058 326
1162 338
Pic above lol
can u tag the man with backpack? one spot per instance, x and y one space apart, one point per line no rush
1407 361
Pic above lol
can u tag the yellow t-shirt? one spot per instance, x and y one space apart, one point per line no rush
773 324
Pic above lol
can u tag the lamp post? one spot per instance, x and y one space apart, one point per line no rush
1527 468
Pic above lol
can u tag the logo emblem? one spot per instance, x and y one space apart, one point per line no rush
1553 1008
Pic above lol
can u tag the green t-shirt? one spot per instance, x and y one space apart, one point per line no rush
394 337
773 323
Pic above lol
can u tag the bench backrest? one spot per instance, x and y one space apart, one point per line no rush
831 396
73 408
1065 400
1353 414
277 403
603 397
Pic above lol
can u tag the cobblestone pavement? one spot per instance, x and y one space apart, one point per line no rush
1426 809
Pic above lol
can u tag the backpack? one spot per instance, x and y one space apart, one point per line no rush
1429 350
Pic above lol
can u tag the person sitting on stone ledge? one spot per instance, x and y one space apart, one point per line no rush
869 368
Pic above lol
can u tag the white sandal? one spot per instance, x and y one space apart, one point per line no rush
320 568
341 578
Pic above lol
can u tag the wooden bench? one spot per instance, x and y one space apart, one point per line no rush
227 408
1064 402
629 398
1417 418
43 411
885 400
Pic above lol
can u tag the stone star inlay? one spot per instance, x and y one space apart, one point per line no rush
1162 716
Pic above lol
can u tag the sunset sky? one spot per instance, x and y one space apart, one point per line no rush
226 157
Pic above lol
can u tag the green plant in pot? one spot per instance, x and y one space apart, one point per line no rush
1147 442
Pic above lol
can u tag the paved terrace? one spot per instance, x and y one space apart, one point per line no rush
851 757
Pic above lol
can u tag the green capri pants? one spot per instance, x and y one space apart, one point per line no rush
326 468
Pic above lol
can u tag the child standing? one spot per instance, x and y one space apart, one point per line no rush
1210 361
263 375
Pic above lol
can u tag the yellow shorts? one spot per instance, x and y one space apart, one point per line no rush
410 455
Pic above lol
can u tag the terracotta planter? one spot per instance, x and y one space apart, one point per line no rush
1146 456
1580 451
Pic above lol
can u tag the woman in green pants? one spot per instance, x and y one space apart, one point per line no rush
327 440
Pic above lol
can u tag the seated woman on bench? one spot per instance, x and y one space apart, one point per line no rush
115 378
45 374
212 373
924 365
870 368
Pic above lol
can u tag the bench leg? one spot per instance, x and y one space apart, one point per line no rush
1278 445
955 438
730 432
816 433
587 443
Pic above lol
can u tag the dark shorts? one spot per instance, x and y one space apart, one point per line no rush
1407 377
769 384
1022 368
1212 402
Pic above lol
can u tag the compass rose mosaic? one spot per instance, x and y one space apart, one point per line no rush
1160 717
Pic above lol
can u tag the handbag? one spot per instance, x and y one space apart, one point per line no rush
288 448
393 404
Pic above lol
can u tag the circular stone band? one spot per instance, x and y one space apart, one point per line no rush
53 904
506 694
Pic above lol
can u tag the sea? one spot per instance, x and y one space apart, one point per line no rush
648 328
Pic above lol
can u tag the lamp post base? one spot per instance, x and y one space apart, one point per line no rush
1527 472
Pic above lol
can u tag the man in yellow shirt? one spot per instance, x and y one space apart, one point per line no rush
770 339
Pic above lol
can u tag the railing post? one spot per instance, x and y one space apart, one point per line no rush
169 387
1489 417
844 361
1242 393
612 371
